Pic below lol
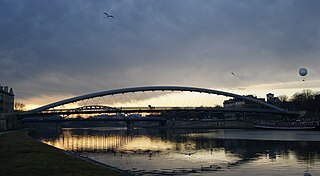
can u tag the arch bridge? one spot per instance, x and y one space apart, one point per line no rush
47 109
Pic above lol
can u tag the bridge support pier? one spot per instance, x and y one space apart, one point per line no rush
129 125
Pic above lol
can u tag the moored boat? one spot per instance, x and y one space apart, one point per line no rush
290 125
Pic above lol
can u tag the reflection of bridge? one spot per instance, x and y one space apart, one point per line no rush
73 141
50 109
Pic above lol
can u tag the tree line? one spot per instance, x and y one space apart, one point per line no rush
307 100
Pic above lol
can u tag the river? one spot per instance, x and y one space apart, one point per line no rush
193 152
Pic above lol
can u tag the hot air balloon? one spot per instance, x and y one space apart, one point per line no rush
303 71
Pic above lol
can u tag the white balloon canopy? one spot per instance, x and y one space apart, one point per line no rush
303 71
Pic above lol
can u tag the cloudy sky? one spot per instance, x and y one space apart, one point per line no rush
51 50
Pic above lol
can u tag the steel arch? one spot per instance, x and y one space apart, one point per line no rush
152 88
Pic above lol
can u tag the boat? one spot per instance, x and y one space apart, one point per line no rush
289 125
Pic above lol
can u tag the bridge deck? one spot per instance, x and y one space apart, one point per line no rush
154 110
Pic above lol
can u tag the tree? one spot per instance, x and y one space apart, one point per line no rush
304 100
18 106
283 98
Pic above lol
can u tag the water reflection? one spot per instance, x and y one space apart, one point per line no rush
194 152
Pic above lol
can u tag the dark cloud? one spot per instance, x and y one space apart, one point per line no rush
70 47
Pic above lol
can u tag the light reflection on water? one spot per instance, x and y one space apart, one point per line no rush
194 152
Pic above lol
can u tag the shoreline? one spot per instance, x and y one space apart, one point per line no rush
23 155
81 157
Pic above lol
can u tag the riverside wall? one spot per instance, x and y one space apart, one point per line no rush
231 124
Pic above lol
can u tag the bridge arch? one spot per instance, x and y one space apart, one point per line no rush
152 88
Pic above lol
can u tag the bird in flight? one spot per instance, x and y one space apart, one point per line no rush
109 16
235 75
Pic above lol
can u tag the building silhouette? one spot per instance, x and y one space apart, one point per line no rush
8 119
235 103
6 99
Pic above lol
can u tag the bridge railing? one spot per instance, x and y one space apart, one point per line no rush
155 109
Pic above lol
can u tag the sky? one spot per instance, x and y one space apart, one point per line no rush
51 50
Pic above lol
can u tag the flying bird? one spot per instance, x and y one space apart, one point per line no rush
109 16
235 75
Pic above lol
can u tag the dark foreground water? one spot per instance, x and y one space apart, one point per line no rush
194 152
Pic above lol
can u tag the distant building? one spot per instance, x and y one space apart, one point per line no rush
272 99
6 99
233 103
270 96
237 103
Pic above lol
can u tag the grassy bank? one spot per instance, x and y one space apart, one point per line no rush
21 155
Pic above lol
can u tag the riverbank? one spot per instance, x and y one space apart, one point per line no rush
21 155
225 124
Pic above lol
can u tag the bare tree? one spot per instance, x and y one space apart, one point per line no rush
304 100
18 106
283 98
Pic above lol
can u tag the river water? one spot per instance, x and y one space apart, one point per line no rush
194 152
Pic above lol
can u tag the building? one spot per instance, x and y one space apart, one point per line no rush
272 99
237 103
6 99
233 103
8 119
